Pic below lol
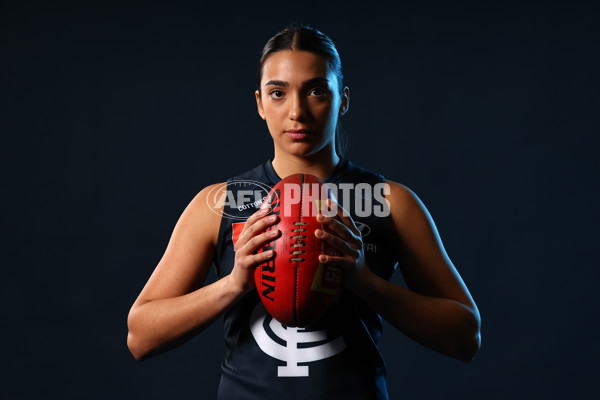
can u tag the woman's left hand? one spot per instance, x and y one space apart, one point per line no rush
340 232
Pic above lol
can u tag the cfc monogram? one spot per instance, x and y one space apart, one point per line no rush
291 353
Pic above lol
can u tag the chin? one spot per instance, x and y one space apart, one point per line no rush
303 148
306 151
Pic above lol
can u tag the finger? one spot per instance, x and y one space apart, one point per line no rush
260 225
258 215
337 228
340 261
255 227
259 241
252 260
343 215
337 243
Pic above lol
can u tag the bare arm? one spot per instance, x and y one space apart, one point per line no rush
437 309
174 306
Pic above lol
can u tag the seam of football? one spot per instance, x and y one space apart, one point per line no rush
298 241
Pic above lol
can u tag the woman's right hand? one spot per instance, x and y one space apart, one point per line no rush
251 239
175 305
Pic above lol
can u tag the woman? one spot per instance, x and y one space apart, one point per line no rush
301 97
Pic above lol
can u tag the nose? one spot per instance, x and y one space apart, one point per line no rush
297 110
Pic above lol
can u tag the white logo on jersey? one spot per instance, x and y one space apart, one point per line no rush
363 228
290 352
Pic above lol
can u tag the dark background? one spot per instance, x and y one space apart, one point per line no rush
114 116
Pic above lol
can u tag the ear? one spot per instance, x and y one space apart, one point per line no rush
261 110
345 101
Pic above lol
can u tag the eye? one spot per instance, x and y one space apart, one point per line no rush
319 92
276 94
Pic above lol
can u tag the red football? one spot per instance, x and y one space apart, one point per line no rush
294 286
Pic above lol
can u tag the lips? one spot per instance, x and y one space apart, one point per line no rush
297 133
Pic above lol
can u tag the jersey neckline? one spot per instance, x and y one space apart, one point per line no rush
333 177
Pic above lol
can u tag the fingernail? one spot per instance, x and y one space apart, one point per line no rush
319 233
322 258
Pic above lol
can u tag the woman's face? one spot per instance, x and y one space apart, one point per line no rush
300 101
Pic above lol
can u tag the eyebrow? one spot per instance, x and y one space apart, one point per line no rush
318 79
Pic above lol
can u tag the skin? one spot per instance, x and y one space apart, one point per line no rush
299 92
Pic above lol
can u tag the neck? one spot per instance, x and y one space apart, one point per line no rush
320 164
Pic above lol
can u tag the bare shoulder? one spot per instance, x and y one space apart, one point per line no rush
186 261
203 214
424 263
404 203
413 223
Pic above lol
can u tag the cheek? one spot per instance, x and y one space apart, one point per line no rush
322 110
268 115
271 110
328 114
273 118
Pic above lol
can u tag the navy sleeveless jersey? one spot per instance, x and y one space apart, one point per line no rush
337 357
